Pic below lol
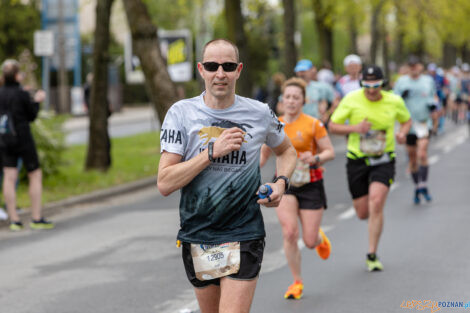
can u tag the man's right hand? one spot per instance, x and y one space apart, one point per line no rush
39 96
230 140
363 127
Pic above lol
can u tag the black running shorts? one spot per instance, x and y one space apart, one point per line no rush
412 139
310 196
360 175
251 256
25 151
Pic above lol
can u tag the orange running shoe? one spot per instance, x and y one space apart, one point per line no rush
324 249
294 291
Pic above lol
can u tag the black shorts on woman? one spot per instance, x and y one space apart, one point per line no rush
310 196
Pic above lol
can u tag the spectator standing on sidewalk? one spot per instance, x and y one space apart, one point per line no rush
23 111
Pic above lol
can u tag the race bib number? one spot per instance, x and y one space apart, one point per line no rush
214 261
373 143
421 129
301 175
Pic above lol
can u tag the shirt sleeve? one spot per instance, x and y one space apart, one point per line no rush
172 135
275 129
319 130
397 89
342 112
403 114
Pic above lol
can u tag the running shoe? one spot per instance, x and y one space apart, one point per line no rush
324 248
373 263
416 199
16 226
295 291
424 191
41 224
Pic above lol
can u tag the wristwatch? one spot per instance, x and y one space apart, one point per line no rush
317 159
286 180
211 151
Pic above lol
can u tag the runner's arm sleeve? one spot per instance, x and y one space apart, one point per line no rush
319 130
402 113
274 129
173 137
342 112
397 89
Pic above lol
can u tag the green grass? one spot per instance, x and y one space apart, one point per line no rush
133 158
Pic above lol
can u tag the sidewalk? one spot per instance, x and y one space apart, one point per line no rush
124 116
128 121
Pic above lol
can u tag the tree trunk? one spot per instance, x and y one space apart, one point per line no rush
465 52
375 30
400 33
99 154
420 44
325 30
290 51
353 35
449 54
161 89
236 34
385 55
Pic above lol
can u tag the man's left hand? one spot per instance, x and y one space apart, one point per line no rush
275 197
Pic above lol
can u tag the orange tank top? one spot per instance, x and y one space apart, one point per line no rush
303 131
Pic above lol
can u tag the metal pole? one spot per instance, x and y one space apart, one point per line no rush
63 79
46 67
46 61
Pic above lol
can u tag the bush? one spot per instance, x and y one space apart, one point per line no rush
49 137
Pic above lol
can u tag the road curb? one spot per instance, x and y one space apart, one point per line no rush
52 208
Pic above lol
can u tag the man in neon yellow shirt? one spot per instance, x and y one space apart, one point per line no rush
372 113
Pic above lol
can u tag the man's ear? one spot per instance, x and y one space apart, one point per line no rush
200 69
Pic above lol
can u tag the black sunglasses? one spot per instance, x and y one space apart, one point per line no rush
214 66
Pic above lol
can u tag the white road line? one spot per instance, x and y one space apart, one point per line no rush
433 159
349 213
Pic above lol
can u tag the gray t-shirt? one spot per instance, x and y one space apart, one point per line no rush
418 95
219 204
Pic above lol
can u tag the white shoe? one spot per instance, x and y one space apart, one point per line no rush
3 214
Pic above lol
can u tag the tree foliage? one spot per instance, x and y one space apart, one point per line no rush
18 21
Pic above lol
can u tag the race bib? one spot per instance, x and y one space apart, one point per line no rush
421 129
301 175
214 261
373 143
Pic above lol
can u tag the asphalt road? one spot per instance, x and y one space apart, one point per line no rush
120 255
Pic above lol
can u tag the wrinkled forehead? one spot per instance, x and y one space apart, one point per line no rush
220 52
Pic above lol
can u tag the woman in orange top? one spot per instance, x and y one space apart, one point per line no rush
305 199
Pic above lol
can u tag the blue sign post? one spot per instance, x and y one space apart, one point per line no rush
50 19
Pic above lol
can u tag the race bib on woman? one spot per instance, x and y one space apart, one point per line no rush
301 175
214 261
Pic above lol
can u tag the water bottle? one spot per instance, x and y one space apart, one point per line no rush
264 191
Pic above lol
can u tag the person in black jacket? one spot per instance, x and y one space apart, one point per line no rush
23 111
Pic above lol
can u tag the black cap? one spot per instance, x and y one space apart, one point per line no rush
413 60
372 72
